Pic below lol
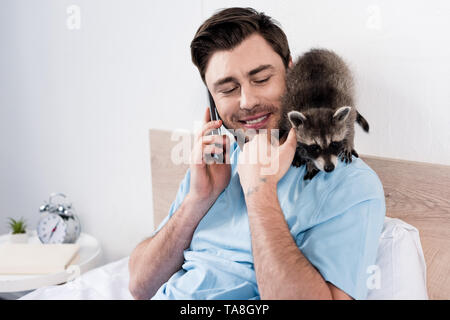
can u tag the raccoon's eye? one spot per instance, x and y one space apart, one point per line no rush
335 145
314 149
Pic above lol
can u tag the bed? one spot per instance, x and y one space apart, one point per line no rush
416 193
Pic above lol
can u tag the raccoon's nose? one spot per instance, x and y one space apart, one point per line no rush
329 167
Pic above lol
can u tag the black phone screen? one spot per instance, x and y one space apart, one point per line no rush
212 107
214 115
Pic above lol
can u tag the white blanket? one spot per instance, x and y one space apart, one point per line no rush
109 282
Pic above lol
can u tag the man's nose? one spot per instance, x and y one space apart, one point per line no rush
248 98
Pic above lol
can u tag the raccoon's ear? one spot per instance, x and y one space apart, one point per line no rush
342 113
296 118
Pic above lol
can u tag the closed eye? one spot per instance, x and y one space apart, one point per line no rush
256 81
229 91
262 81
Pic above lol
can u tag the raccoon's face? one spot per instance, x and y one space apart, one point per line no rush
321 134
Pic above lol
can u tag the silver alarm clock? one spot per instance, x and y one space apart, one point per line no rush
58 222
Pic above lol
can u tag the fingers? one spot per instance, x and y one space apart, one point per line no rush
212 149
207 146
208 125
214 139
219 145
204 138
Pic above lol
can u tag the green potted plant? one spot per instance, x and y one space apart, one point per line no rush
18 231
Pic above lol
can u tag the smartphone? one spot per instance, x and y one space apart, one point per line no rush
213 112
214 116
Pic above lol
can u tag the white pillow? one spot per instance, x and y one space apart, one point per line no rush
401 263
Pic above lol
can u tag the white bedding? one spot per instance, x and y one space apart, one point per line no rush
109 282
400 260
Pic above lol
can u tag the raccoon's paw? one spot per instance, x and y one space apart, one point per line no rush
346 155
298 161
310 174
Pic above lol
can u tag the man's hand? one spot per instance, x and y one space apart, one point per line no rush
208 177
265 162
157 258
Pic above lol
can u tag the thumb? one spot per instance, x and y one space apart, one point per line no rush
291 140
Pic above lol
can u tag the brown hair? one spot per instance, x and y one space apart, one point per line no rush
227 28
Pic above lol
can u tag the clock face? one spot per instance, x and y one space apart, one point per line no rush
51 229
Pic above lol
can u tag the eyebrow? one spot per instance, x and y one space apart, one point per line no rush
249 74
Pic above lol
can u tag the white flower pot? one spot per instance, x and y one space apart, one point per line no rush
18 238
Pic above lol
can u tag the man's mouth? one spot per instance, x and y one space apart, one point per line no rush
256 122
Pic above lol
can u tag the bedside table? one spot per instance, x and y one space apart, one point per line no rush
89 258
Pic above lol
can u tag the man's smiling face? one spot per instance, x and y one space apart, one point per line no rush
247 83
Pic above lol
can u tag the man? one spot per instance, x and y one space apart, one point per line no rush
233 233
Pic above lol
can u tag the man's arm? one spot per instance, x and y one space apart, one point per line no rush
282 271
157 258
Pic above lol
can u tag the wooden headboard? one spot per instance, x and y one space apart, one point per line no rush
418 193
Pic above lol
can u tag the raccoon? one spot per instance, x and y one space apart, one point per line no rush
319 105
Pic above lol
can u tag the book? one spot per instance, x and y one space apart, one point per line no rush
36 258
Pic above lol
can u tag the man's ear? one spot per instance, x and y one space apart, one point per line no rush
290 64
296 118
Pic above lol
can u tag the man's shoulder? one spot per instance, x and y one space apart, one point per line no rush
356 176
361 178
350 185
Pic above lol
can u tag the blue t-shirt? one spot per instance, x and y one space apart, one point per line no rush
335 219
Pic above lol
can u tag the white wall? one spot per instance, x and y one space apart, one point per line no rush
76 105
